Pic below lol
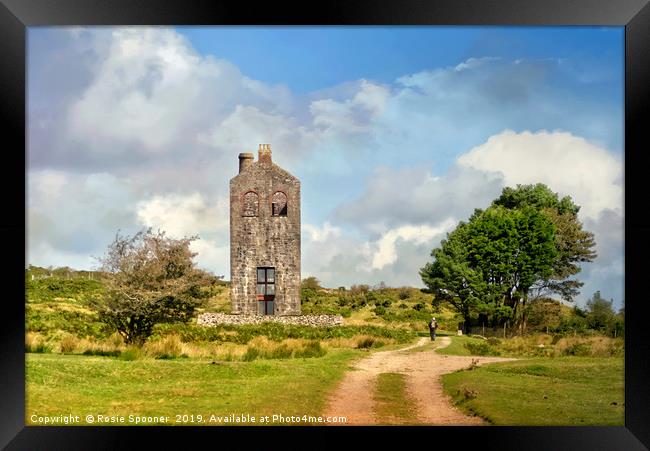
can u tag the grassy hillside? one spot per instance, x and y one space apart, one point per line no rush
60 318
56 306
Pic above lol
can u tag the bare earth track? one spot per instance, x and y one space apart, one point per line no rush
354 396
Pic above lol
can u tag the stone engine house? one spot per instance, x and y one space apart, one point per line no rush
264 237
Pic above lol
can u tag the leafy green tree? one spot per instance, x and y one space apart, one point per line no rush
153 279
309 288
545 314
574 245
512 249
450 276
600 313
528 243
619 323
310 283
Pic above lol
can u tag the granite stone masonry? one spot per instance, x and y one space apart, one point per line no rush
264 237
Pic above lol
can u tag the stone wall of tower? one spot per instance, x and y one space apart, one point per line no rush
264 240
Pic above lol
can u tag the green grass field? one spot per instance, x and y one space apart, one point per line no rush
543 391
80 385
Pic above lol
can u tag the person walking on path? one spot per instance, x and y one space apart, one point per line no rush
433 325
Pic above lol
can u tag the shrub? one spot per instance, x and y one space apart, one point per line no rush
251 354
115 341
419 306
480 348
312 349
403 294
104 353
34 343
379 310
243 334
78 323
68 343
365 342
168 348
131 353
310 283
346 312
577 349
280 352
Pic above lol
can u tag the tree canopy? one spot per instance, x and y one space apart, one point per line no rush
527 243
153 279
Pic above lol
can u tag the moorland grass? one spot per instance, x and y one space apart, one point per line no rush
577 391
536 345
63 384
242 334
457 345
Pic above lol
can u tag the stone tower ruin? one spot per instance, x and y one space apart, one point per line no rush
264 237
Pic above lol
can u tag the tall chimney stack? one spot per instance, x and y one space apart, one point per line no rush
264 153
245 160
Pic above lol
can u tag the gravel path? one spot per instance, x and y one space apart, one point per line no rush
353 397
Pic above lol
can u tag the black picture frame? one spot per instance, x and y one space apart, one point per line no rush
16 15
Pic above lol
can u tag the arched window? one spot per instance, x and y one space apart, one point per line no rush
279 204
250 205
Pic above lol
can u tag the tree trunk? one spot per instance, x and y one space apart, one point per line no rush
524 298
468 326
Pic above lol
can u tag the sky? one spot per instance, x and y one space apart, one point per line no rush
396 133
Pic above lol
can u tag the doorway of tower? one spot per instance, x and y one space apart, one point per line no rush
265 291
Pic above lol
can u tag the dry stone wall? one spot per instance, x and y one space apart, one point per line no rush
214 319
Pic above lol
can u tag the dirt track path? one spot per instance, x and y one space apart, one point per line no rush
354 396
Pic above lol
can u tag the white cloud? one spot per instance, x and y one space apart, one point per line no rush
184 215
212 256
46 185
568 164
353 115
321 234
413 195
189 215
152 94
248 126
73 217
386 253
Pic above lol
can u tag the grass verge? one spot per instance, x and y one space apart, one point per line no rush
457 345
576 391
394 405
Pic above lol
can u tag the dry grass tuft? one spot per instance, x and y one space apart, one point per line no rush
35 342
68 344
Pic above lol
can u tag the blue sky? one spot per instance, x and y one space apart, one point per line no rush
396 133
312 58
